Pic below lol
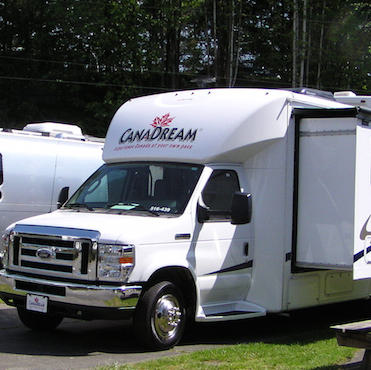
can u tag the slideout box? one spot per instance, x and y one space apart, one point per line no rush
333 160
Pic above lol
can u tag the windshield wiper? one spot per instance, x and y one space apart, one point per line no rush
78 205
130 207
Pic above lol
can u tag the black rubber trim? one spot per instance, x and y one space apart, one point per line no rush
241 266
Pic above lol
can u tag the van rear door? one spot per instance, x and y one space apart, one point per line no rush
28 166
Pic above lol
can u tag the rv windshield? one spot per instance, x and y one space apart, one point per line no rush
155 188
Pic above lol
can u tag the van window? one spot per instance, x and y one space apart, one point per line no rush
218 193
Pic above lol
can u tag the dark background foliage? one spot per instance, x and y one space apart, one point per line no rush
77 61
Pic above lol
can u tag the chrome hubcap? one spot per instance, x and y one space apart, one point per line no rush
167 317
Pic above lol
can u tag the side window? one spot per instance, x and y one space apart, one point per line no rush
218 193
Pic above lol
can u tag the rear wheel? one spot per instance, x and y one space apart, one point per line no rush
160 316
38 321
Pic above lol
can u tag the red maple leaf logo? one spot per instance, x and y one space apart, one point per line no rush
162 121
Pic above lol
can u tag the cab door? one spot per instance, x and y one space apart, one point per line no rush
223 252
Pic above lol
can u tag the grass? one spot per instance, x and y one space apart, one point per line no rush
311 351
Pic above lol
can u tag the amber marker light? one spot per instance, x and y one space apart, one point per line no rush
126 260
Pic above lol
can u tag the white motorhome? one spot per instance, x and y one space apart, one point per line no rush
349 97
212 205
36 163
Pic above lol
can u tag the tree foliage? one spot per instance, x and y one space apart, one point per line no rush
78 60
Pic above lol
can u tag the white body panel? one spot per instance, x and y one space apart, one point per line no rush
35 168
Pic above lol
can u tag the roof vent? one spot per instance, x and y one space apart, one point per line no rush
59 130
339 94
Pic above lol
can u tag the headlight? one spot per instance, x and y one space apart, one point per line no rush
115 261
4 249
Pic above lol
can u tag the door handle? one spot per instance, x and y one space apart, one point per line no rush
246 249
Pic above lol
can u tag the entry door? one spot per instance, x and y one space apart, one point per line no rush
223 251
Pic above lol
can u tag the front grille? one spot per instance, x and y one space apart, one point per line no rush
52 255
47 266
48 242
40 288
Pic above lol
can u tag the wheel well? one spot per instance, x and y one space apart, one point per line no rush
183 279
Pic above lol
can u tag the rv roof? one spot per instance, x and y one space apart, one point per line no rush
52 129
202 126
56 129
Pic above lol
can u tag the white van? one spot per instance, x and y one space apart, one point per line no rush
212 205
36 163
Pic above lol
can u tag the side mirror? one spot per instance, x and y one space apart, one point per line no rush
202 212
63 196
241 208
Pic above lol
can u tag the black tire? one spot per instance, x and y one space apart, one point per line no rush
160 316
38 321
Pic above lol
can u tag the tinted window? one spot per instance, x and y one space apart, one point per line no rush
155 187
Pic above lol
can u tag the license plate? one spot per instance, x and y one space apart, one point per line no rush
37 303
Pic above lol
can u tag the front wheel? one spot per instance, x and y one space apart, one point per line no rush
38 321
160 316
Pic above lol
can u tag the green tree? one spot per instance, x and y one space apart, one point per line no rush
78 61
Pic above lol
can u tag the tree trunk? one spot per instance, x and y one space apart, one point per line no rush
303 53
172 44
237 60
294 41
230 46
319 66
309 46
215 42
207 35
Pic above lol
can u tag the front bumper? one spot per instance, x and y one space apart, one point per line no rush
85 297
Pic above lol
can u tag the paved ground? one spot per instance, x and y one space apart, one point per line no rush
86 345
75 345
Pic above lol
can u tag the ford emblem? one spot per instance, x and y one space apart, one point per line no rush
44 253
